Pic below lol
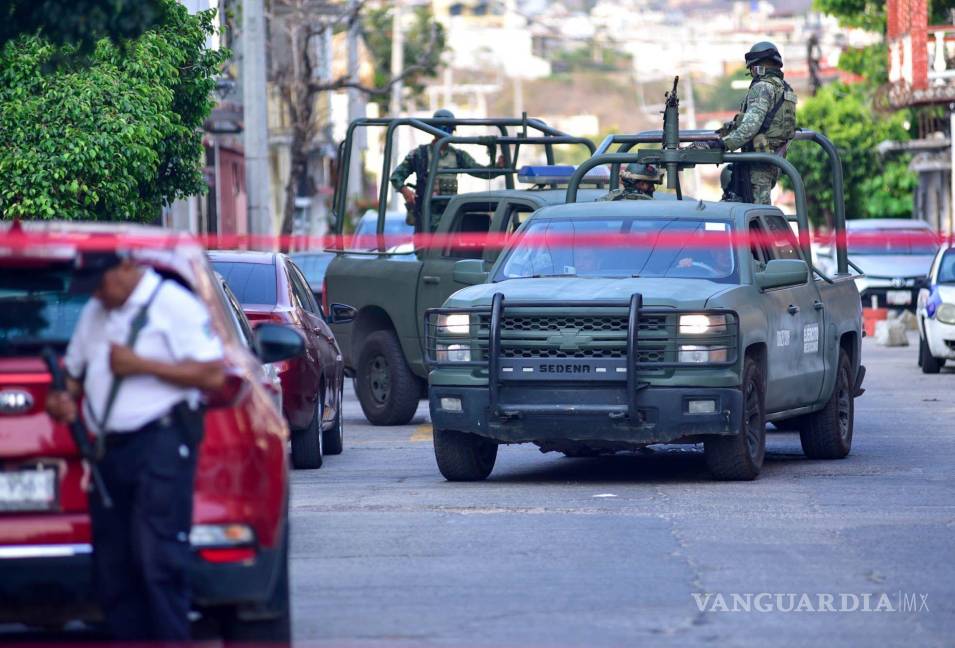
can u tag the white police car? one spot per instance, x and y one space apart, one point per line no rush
936 314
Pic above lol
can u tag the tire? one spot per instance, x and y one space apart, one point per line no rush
387 390
462 456
928 362
273 622
333 440
740 457
827 434
307 444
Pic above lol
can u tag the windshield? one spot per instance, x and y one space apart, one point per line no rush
892 241
946 268
622 247
36 309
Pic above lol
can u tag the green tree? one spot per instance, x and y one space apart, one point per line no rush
424 43
80 23
872 188
115 138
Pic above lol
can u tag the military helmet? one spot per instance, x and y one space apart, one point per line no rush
763 51
444 113
639 171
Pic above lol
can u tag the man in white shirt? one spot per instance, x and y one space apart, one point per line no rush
142 398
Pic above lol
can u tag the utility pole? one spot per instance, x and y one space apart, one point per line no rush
356 108
397 65
256 134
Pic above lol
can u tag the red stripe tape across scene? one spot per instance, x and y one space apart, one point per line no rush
25 240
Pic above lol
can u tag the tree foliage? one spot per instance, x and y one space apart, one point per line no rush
424 43
80 23
873 188
114 138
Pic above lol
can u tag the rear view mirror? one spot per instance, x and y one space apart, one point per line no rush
470 272
277 342
782 272
341 313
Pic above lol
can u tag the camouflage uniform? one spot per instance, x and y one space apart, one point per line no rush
766 123
451 158
625 194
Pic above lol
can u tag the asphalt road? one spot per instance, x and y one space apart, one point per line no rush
610 551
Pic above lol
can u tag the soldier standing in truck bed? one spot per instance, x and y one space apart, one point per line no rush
766 121
417 161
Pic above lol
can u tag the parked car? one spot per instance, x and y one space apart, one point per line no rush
936 314
313 266
240 516
271 288
397 231
270 369
894 253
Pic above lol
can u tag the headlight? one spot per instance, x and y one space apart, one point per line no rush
702 324
454 324
946 314
695 354
453 353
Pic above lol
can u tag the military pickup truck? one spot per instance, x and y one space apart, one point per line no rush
394 285
614 325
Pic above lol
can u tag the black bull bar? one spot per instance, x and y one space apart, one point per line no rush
656 350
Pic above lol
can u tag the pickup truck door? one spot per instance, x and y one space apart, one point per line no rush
796 317
468 218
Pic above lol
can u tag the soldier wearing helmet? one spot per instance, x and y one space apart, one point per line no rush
637 180
765 123
417 163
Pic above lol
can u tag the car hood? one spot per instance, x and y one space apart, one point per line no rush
893 265
676 293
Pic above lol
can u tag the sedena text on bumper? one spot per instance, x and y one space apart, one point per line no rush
594 414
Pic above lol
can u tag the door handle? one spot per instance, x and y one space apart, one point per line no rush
818 305
430 279
793 309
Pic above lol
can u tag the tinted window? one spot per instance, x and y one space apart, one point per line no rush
470 222
313 266
782 241
946 268
36 309
300 289
892 241
251 283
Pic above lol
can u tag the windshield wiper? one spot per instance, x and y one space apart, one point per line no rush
545 276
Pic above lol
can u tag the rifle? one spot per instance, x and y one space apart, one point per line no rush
77 428
671 135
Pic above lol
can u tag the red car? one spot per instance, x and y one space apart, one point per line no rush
271 288
240 518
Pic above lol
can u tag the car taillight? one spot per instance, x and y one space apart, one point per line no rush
221 543
258 318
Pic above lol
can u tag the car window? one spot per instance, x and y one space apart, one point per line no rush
516 216
313 265
757 244
252 283
781 241
471 221
301 290
238 317
37 308
946 268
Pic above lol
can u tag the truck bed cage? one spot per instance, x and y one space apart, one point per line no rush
685 158
532 132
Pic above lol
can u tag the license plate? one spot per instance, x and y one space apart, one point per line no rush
28 490
898 297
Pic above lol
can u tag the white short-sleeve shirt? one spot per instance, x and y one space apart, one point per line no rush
178 329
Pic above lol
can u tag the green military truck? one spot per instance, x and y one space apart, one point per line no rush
614 325
393 286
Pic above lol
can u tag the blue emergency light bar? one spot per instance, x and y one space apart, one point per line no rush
559 174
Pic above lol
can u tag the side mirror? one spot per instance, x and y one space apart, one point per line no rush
277 342
470 272
782 272
341 314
